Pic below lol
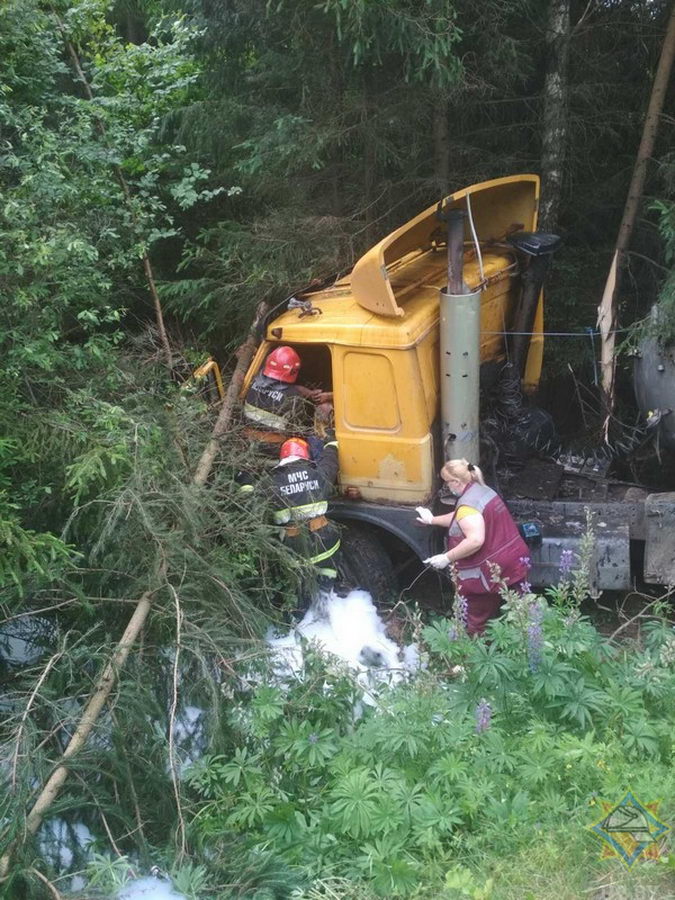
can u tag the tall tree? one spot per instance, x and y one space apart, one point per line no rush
73 238
321 113
554 125
607 310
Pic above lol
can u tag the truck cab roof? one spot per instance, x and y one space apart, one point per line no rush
417 278
390 298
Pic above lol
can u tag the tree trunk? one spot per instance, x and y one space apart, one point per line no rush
87 721
245 355
338 152
370 137
554 140
607 310
133 28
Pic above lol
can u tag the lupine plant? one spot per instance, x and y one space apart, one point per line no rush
546 718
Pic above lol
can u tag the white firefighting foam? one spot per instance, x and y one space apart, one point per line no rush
150 888
350 629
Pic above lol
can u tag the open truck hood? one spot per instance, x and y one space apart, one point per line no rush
498 208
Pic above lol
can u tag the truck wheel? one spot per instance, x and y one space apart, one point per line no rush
366 564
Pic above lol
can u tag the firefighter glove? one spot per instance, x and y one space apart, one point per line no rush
424 515
440 561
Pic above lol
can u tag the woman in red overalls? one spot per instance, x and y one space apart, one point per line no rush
481 535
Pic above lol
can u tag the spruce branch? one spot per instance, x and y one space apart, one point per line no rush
104 686
19 733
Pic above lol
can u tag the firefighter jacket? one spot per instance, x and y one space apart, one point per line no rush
503 545
275 405
300 490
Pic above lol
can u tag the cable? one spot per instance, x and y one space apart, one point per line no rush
475 237
583 334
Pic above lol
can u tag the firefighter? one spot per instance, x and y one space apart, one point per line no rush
274 400
300 490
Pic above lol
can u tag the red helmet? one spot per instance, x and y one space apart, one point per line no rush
282 364
294 447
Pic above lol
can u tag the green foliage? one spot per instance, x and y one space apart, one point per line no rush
461 882
395 797
303 104
26 554
230 267
319 122
86 188
424 35
108 874
191 880
71 230
99 446
662 323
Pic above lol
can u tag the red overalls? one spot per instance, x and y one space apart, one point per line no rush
503 546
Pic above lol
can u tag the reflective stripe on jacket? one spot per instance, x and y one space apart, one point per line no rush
264 417
298 513
503 546
274 404
301 489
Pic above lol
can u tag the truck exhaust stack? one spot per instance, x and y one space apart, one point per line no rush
460 353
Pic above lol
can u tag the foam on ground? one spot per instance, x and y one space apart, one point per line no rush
349 629
149 888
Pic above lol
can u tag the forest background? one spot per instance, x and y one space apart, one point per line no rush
164 167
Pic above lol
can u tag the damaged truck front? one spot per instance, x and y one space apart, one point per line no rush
431 346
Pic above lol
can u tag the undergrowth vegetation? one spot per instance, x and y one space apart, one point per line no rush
479 783
478 777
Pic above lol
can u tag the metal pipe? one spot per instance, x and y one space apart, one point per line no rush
460 375
460 353
456 251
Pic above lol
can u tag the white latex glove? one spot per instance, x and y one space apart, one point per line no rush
440 561
424 515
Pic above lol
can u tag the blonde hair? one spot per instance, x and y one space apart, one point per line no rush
463 471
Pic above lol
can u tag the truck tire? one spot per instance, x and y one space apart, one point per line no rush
366 564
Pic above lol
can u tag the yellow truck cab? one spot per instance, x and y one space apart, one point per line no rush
374 339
